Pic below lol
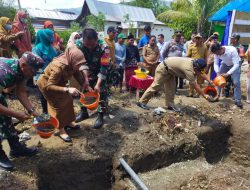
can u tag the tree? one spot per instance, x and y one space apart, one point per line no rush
191 15
96 22
7 9
131 28
32 30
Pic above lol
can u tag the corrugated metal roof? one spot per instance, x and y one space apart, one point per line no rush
116 12
157 22
50 14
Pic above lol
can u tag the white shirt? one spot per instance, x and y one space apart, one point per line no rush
230 58
161 47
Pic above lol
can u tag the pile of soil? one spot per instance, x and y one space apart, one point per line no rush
89 100
46 128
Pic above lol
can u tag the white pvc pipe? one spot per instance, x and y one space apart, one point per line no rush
133 175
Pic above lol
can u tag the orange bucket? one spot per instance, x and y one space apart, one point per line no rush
90 105
46 129
211 91
220 81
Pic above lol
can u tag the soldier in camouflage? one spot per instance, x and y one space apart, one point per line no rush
95 72
14 72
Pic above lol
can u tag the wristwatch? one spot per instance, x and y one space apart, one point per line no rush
31 110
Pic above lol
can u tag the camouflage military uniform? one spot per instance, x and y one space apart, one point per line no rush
10 75
97 70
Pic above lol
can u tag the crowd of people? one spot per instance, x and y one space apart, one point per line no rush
89 63
208 59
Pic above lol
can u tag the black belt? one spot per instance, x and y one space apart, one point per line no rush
165 65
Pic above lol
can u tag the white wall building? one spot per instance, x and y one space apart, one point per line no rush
115 15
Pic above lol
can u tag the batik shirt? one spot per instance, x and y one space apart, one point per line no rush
10 73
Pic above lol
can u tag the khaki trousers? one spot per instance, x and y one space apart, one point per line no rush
163 79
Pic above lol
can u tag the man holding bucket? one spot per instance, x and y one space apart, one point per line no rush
13 73
230 66
97 66
165 75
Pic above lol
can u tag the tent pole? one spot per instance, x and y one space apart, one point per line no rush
210 28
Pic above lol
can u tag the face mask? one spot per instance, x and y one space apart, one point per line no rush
23 20
8 27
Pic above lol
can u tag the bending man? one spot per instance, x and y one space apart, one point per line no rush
165 75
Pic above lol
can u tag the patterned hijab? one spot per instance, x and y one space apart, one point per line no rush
17 20
3 23
44 40
24 44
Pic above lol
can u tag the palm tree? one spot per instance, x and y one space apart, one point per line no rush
190 15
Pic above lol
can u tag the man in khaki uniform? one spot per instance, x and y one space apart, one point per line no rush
151 55
165 76
197 51
109 40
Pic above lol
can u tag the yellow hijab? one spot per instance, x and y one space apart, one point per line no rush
3 23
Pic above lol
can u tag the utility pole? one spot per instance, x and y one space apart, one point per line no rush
19 5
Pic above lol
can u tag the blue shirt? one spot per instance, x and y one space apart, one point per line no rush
161 47
143 41
120 54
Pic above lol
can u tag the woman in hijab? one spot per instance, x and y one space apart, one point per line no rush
71 42
53 86
43 48
72 39
6 38
58 42
23 44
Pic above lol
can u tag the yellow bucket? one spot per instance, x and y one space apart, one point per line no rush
141 75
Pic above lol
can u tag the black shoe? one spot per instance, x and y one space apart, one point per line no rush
239 104
99 121
19 149
174 108
82 116
5 163
142 105
22 150
68 127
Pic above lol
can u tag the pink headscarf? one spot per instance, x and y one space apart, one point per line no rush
24 43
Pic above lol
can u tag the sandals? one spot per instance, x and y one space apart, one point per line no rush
65 139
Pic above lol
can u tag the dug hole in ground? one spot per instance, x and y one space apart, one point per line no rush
206 146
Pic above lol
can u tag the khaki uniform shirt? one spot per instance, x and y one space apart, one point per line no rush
152 53
197 52
111 44
184 68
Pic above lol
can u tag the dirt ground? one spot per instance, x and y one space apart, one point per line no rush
205 146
